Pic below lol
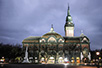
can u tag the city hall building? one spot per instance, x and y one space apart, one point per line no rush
53 48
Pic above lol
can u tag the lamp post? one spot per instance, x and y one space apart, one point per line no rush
97 54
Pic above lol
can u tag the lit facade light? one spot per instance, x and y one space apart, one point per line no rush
65 60
60 58
51 57
2 57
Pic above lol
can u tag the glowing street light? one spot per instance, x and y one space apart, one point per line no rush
97 53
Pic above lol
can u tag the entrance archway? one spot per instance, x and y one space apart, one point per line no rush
60 60
51 60
42 60
85 59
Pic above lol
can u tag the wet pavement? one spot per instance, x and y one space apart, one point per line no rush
43 66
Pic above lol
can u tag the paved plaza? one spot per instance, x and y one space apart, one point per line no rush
44 66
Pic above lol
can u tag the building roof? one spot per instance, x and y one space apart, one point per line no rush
32 39
51 33
71 38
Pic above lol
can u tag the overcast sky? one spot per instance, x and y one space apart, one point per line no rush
20 19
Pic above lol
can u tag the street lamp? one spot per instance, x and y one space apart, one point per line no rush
98 53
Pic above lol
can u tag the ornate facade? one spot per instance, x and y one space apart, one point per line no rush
53 48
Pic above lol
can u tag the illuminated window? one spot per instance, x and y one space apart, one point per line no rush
71 31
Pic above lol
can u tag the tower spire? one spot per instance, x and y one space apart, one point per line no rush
81 31
82 34
68 17
69 26
51 25
68 13
52 29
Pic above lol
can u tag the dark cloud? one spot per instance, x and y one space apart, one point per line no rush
22 18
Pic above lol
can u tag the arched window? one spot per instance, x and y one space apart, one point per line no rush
51 39
60 40
42 40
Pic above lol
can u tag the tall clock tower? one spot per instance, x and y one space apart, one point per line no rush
69 26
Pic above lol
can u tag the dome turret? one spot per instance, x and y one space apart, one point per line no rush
51 32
